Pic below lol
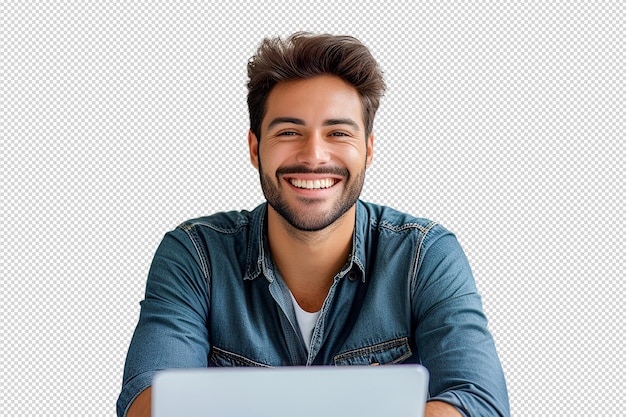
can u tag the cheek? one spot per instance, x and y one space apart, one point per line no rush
273 156
354 157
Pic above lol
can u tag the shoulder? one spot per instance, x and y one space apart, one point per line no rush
406 232
227 222
222 240
384 217
402 233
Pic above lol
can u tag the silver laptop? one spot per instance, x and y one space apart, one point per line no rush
320 391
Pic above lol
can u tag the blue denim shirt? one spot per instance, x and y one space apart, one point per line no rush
406 294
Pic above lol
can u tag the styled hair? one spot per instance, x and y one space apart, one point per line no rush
305 55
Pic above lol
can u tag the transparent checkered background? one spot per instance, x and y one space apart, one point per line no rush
505 122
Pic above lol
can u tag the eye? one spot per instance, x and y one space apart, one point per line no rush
286 133
339 134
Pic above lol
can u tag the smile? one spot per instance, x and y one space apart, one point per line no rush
313 184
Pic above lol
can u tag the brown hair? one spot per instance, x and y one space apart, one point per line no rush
304 55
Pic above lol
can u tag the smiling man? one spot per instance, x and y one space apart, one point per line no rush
316 276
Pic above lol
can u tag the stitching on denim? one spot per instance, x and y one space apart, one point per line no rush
202 255
404 226
402 358
418 253
379 347
238 226
232 230
242 360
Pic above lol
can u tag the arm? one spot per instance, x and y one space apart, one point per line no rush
172 329
451 332
440 409
142 406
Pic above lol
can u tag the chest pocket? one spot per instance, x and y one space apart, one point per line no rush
220 357
389 352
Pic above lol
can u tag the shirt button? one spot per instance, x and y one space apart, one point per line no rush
352 276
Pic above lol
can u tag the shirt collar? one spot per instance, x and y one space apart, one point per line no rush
359 253
258 249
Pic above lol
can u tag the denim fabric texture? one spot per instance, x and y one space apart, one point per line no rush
406 294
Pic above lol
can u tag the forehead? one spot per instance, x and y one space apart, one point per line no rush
314 100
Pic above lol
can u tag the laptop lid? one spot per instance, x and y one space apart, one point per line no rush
320 391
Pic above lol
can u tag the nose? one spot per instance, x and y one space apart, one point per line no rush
313 150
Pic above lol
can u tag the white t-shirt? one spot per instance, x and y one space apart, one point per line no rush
306 322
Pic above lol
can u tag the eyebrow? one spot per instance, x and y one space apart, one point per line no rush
328 122
349 122
280 120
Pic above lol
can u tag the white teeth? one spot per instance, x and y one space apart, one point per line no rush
313 184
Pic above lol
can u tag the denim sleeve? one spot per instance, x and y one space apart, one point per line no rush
452 337
172 328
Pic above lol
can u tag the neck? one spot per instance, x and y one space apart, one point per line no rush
308 261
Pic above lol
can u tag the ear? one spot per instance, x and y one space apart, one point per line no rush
253 146
370 150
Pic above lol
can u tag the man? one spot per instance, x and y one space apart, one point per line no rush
315 276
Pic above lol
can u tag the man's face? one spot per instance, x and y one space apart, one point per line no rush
312 153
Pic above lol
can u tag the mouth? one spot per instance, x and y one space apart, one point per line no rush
316 184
